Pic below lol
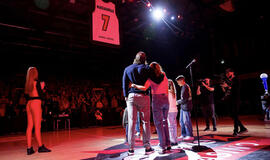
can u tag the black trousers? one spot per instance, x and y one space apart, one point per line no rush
234 108
209 113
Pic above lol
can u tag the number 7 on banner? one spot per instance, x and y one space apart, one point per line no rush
105 25
106 19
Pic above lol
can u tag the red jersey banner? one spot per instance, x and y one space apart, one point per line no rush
105 25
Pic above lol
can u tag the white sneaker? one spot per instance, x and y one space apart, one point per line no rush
181 138
138 134
188 138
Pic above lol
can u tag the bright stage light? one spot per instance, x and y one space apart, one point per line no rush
172 17
148 5
158 14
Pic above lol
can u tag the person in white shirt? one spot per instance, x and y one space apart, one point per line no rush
172 123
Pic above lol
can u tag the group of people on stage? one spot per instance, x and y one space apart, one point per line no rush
139 79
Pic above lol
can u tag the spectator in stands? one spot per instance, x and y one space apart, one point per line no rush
3 105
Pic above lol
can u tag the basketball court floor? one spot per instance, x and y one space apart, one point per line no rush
108 142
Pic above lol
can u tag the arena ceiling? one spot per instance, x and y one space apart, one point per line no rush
62 26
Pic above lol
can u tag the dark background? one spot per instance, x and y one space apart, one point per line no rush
56 39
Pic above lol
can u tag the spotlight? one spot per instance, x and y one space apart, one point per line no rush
157 14
172 17
179 16
164 10
148 4
222 61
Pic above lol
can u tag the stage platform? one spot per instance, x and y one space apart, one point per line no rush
108 143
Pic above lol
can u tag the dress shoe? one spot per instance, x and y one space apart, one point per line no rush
235 134
242 130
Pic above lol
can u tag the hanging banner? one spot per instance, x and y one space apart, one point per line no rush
105 25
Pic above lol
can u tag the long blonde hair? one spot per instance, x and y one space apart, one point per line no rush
172 87
32 75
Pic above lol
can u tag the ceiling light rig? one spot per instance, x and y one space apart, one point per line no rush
157 14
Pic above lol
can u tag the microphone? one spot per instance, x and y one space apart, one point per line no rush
193 61
264 77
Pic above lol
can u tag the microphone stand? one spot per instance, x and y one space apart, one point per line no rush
196 148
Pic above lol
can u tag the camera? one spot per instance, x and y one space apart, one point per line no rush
202 80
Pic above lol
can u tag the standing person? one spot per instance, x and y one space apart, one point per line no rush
265 100
230 87
172 123
186 106
137 100
206 92
4 102
160 104
34 91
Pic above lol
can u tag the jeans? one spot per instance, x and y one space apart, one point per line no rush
209 112
160 108
138 103
267 113
138 123
172 124
266 109
185 123
126 129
